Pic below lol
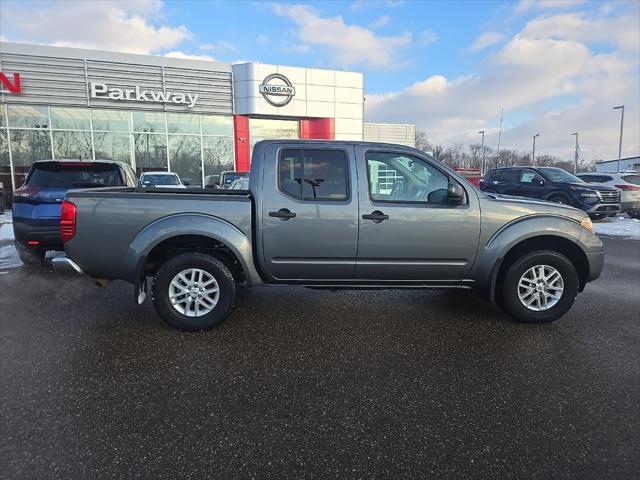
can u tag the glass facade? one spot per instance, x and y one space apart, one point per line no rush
194 146
270 128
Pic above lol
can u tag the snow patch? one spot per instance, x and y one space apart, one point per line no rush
9 257
6 232
618 227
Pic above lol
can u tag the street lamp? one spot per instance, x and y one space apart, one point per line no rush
482 158
575 157
620 107
533 156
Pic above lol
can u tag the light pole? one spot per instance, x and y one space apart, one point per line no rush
575 158
533 155
482 157
620 107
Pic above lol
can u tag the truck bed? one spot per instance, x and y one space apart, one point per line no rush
109 220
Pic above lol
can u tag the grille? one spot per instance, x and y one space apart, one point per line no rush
609 196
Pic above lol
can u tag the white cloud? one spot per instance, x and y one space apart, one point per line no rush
380 22
189 56
554 84
622 31
486 40
524 6
348 45
427 37
124 26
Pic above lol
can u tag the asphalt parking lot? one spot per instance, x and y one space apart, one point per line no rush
301 384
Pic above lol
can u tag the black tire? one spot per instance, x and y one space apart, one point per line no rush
510 301
560 199
30 256
179 263
635 215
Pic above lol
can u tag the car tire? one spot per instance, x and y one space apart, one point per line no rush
553 303
635 215
559 199
30 256
199 309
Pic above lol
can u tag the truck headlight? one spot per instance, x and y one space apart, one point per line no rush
586 223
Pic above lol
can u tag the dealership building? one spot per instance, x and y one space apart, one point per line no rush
196 118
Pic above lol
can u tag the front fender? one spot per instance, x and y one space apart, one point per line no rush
490 256
188 224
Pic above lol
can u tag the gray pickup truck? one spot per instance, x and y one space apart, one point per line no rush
331 215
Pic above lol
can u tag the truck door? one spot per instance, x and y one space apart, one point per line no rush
408 230
309 213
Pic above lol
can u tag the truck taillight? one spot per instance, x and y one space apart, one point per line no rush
67 221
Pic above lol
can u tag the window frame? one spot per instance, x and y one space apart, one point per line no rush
301 151
413 202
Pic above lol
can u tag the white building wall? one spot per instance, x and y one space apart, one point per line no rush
319 94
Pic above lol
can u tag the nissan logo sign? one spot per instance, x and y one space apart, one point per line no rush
277 90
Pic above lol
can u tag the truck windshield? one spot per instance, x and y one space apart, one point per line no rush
554 174
69 175
160 180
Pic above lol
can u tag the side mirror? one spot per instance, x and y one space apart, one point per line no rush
540 183
186 184
455 194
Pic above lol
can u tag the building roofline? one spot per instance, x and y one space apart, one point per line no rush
37 50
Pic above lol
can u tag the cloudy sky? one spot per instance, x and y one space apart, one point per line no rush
554 66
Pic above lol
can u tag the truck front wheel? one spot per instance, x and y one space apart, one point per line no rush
193 291
539 287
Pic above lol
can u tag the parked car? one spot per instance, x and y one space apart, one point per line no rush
332 215
627 183
240 184
555 185
228 177
160 179
36 204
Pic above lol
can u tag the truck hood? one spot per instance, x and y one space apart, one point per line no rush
529 206
594 186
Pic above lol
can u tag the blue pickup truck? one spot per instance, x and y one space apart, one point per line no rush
36 204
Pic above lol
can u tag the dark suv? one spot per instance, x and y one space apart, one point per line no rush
555 185
36 204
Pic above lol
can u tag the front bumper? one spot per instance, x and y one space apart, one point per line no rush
65 266
604 209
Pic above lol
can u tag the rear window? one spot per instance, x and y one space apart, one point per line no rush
60 175
160 180
313 174
635 179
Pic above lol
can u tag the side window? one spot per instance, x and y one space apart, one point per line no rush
511 175
397 177
530 177
313 174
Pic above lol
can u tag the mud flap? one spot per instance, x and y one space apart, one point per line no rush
141 291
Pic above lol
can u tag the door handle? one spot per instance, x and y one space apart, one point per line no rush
282 214
376 216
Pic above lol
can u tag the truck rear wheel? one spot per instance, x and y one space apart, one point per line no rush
193 291
539 287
